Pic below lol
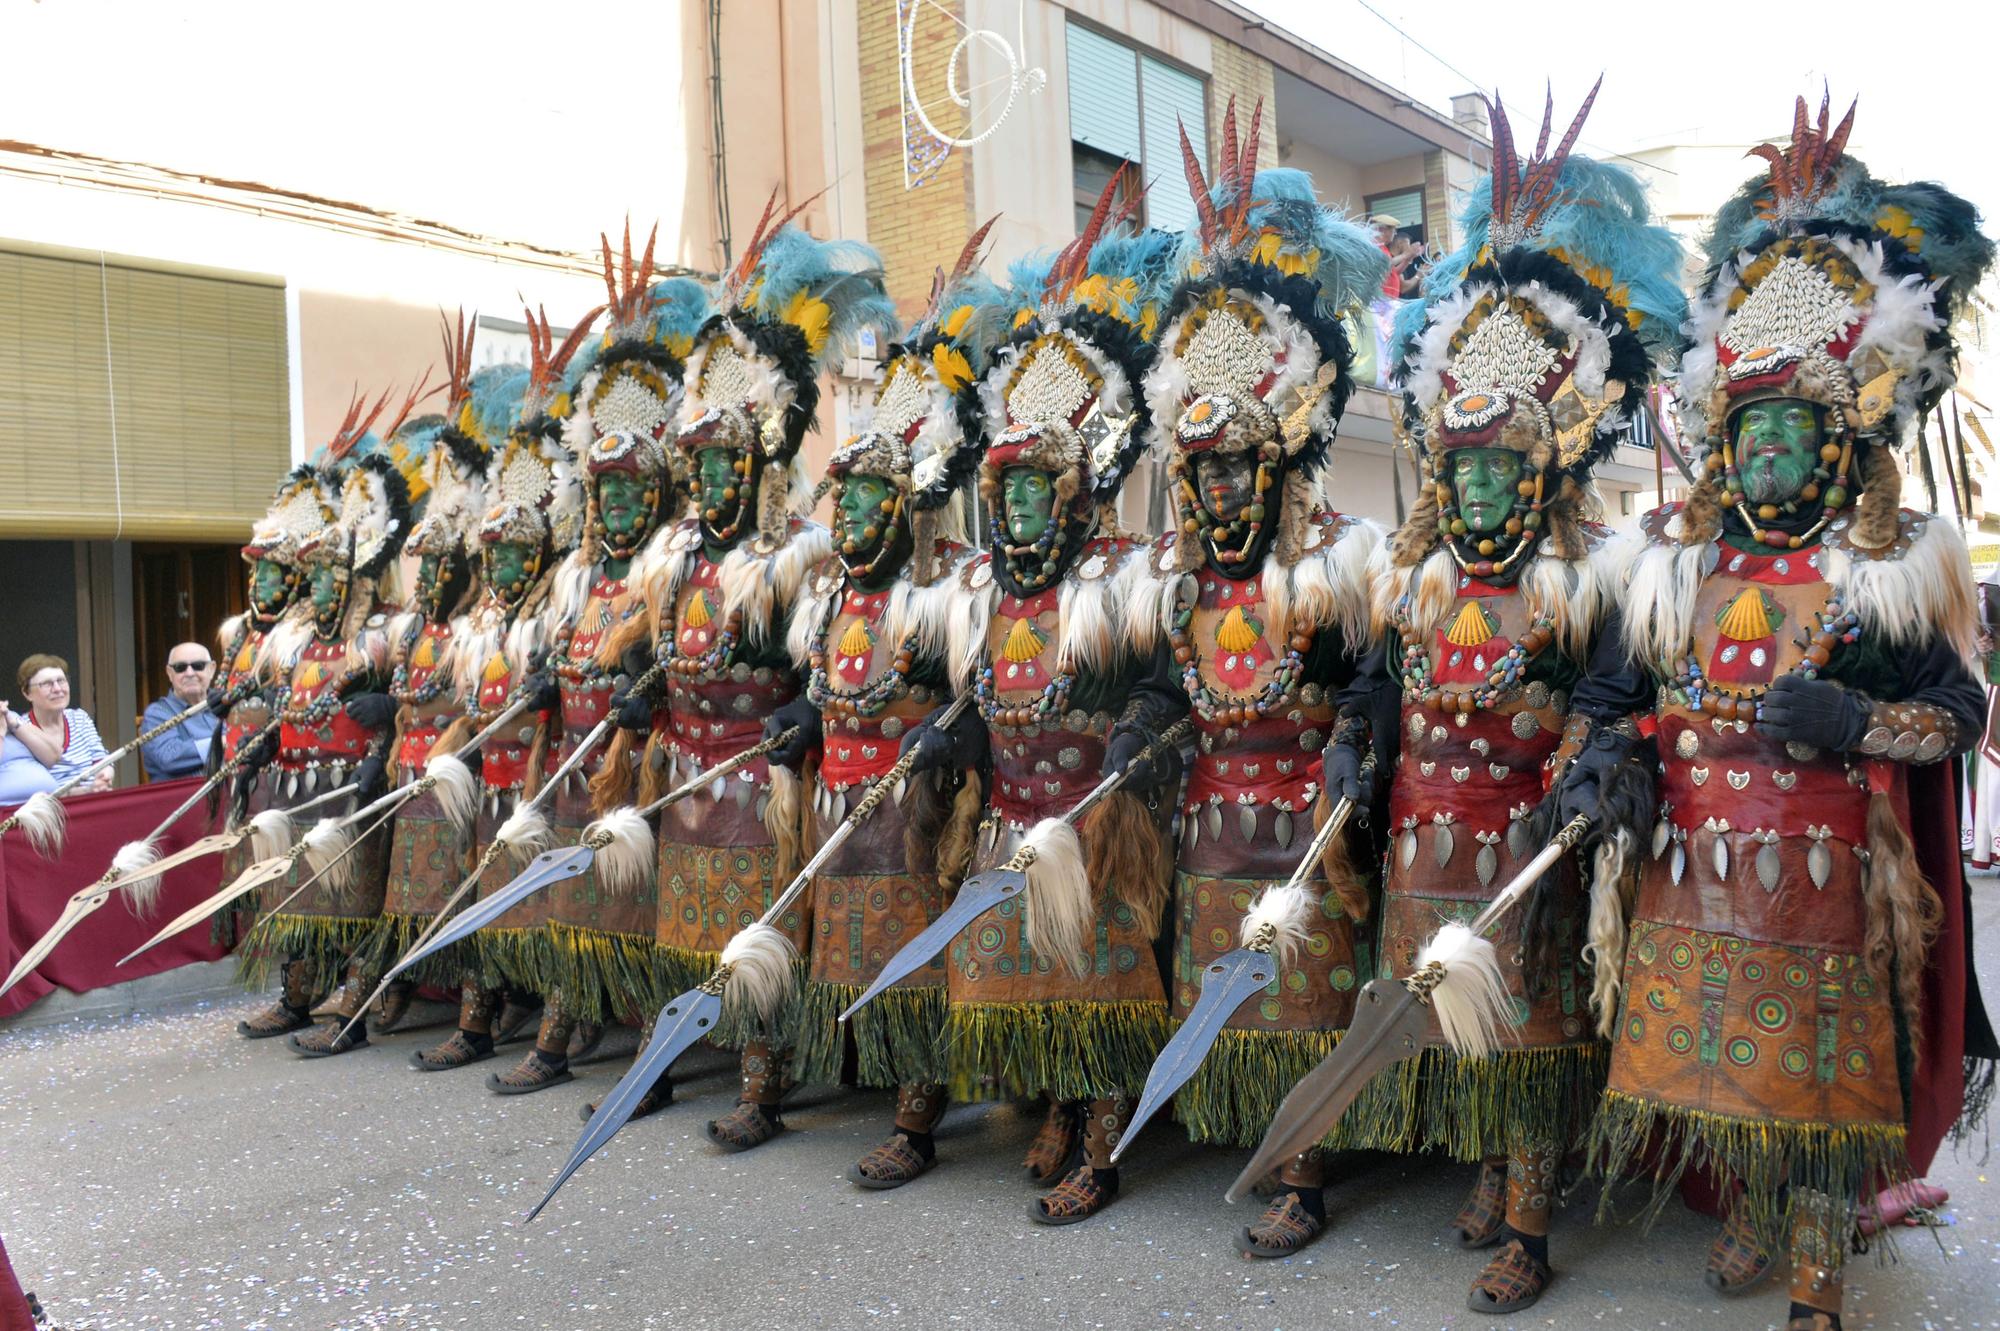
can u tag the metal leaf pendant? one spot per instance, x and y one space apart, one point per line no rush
292 786
1677 863
1214 816
1719 853
1246 822
1517 837
1819 864
1486 864
1442 844
717 789
1281 827
1407 847
1192 822
763 803
744 790
1767 867
1661 830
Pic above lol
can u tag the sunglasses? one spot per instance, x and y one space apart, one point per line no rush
182 667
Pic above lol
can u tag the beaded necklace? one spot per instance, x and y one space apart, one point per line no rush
1500 680
1830 484
708 664
312 715
434 683
886 688
1837 625
1233 540
1515 537
1220 710
1053 700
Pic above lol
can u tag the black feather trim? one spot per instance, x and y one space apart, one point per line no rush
638 351
397 492
786 346
469 454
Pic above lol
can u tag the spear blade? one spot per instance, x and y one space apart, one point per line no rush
976 895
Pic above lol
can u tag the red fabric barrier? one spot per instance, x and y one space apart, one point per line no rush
33 892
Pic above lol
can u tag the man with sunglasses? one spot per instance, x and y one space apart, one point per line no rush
183 750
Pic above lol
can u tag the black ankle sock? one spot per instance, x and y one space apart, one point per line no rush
555 1062
1536 1244
1107 1179
1313 1199
480 1040
771 1113
921 1143
1806 1310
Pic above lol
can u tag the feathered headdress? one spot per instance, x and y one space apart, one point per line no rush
1253 356
629 387
304 505
450 481
1539 336
921 432
792 307
373 518
1828 285
1062 395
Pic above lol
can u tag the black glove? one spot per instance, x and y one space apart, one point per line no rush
371 779
1814 711
257 753
633 710
371 711
541 692
801 713
1122 749
1347 773
218 700
1580 789
636 660
963 746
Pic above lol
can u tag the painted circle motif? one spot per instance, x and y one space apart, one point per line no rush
1318 944
1295 981
990 939
1680 1039
1795 1060
1635 1029
1797 975
1124 959
1857 1062
1343 977
1742 1051
1649 952
1202 897
1005 965
1680 954
1862 985
1271 1009
1218 938
1754 971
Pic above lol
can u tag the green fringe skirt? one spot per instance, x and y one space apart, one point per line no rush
321 944
1068 1049
1479 1107
897 1037
1246 1076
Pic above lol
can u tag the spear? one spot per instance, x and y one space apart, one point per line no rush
1457 977
442 771
41 816
620 844
1274 924
1048 862
135 867
756 970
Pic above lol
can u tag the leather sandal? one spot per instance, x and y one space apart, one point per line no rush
1081 1195
1512 1280
1479 1221
890 1165
531 1074
747 1126
457 1050
1055 1146
1284 1228
277 1019
325 1039
1736 1264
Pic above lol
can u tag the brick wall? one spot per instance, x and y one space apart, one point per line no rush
1249 78
918 228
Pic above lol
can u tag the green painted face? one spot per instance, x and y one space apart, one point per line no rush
507 567
621 504
1225 482
863 515
269 587
1484 481
328 590
430 569
1029 496
715 469
1777 445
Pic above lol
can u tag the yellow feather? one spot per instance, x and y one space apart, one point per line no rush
810 316
954 371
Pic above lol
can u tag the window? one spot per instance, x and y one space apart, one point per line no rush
1405 205
1128 107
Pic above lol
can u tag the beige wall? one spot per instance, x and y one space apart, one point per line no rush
345 341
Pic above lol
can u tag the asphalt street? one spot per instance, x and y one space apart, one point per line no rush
159 1172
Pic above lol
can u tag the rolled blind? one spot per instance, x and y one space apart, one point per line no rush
1103 94
1406 206
194 368
1172 98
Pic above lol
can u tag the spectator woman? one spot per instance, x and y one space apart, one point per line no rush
44 679
25 757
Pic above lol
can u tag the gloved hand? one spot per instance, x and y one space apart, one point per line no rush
633 710
1814 711
371 711
1581 787
219 700
963 746
1123 748
1347 773
636 660
371 779
541 691
801 713
257 753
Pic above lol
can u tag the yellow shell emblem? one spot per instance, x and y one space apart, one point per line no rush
1472 627
698 614
496 670
1747 618
1024 642
1235 634
857 640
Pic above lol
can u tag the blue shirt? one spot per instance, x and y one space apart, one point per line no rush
21 773
182 751
83 749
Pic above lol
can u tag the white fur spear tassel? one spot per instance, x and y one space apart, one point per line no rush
1276 921
41 821
625 861
1056 910
270 834
1470 999
457 790
142 889
526 833
326 855
760 961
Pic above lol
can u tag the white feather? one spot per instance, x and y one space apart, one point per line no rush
142 889
625 862
526 833
42 821
325 854
761 972
1282 913
456 791
1056 911
1471 1000
764 587
270 833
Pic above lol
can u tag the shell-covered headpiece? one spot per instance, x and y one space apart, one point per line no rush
792 306
1253 357
1540 336
1828 285
628 391
373 517
304 504
450 481
1063 395
921 431
536 491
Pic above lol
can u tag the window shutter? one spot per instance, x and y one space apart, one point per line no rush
1407 206
1103 94
1173 98
196 374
